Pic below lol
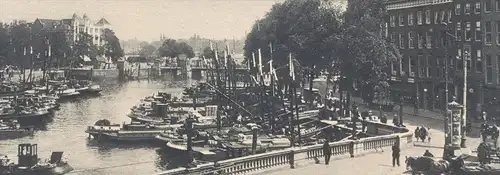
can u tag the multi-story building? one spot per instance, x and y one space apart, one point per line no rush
418 28
74 26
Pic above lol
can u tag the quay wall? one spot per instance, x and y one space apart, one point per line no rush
301 156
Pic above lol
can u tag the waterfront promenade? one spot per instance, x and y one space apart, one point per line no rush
380 163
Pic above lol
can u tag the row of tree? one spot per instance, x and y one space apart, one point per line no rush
321 37
24 47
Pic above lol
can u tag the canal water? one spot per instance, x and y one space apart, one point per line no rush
67 133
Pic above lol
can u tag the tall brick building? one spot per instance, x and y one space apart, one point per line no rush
417 28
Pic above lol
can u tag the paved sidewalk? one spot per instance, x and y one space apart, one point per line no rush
409 112
377 163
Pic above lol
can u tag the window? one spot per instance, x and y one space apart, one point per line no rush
392 20
497 2
498 68
498 32
401 20
413 66
487 6
468 32
428 16
394 38
478 31
386 30
419 17
410 19
401 41
479 62
394 67
487 32
411 42
439 65
420 39
451 61
442 17
489 69
457 9
436 17
428 71
428 40
477 10
467 9
458 31
449 16
421 66
460 64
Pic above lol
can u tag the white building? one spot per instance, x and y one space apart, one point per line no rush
89 26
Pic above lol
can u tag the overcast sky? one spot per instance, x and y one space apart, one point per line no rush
147 19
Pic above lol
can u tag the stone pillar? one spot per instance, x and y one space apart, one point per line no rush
120 64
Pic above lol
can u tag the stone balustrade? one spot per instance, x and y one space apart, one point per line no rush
303 155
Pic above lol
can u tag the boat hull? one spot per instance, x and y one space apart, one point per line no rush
28 119
15 133
58 170
90 92
120 138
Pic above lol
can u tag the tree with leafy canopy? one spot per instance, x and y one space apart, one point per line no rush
364 51
147 50
298 27
112 47
172 49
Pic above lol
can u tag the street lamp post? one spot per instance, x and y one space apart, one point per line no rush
464 103
425 98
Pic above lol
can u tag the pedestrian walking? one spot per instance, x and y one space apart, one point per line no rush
429 134
416 133
395 154
327 152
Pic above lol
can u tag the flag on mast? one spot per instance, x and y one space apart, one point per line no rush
260 62
292 67
253 60
271 48
205 61
225 58
50 51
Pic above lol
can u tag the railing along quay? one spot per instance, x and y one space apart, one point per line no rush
306 154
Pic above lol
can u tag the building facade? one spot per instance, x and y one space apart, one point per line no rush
75 26
419 28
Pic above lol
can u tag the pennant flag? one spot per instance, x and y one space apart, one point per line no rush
275 76
24 50
271 48
271 66
292 67
31 49
50 51
260 62
216 56
225 58
205 61
253 60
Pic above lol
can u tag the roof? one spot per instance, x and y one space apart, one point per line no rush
50 23
102 22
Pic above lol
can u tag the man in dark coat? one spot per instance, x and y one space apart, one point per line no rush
327 152
395 154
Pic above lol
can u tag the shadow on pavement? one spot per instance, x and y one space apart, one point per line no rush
427 146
